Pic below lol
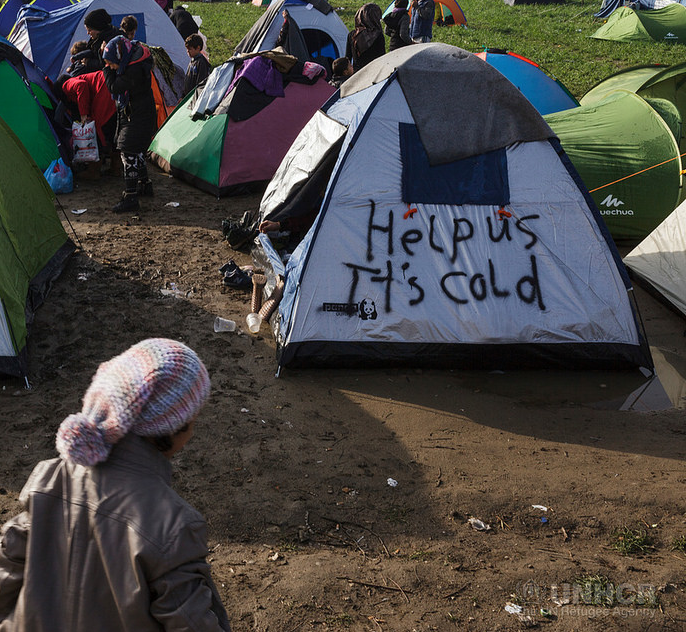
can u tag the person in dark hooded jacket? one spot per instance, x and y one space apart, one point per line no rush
99 27
366 41
184 22
398 26
127 76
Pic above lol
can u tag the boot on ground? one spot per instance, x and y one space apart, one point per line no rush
144 188
127 204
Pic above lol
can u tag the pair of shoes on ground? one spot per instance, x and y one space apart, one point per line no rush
235 277
239 233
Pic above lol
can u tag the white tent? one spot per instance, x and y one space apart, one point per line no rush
660 259
324 32
453 230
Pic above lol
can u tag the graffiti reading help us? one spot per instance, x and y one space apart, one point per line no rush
386 243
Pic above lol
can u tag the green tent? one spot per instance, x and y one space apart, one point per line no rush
33 248
23 106
656 84
626 25
627 156
631 79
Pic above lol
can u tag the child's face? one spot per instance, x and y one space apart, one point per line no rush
193 51
111 64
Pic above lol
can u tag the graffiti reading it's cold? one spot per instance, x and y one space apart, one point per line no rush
456 284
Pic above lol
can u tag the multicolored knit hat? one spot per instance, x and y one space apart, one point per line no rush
152 389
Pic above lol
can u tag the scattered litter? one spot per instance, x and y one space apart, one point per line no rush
513 608
275 557
479 525
562 602
175 291
392 482
82 276
544 520
244 410
174 204
223 324
547 613
541 507
78 211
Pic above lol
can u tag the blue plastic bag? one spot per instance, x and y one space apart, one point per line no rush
59 177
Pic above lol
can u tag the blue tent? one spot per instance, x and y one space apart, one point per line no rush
46 37
545 93
10 8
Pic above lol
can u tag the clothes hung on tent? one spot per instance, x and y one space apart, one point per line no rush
443 238
215 137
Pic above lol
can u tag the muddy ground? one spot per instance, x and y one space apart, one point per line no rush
307 529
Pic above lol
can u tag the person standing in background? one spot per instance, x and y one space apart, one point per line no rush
99 27
198 68
421 23
366 41
398 26
127 75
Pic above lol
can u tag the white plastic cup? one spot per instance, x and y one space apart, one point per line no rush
254 322
223 324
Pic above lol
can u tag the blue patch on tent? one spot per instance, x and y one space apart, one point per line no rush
140 18
478 179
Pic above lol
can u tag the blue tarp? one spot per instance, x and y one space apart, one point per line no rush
478 179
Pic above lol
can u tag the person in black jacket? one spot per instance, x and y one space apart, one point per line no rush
366 42
99 27
398 26
183 21
198 68
127 76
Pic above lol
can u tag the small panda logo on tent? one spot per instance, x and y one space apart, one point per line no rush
367 309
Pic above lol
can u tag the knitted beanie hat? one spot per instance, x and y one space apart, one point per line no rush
98 20
152 389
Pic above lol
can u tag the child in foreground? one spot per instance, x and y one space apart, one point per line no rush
104 542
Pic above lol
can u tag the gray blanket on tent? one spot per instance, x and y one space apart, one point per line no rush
473 87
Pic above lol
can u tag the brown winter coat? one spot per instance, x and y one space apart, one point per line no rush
110 548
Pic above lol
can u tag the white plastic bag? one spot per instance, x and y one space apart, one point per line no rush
84 142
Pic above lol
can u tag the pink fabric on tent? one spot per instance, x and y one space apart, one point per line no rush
254 148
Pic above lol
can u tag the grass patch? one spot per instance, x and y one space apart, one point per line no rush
596 590
632 541
340 619
557 37
289 545
679 544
